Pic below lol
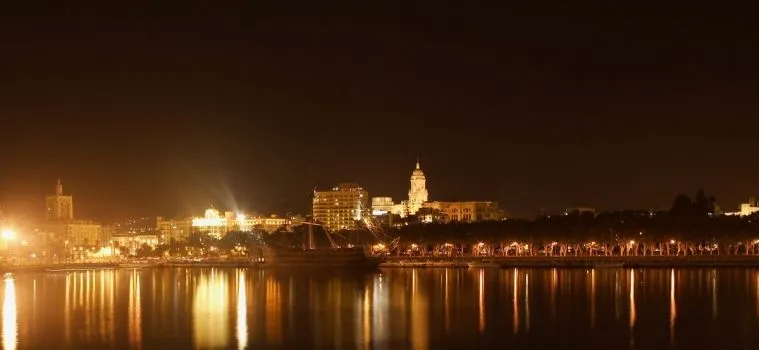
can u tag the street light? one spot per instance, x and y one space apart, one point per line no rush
8 234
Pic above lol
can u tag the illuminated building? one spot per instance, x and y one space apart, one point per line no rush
417 196
212 223
75 232
417 204
59 207
471 211
59 211
133 226
216 225
747 209
341 207
400 209
268 224
134 242
174 229
417 193
82 232
382 205
427 214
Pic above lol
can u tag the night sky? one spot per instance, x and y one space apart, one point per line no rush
163 110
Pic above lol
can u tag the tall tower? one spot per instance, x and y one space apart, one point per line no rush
417 193
59 207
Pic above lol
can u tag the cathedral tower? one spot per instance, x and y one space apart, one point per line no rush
417 193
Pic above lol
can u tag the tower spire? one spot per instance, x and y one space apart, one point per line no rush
417 161
59 188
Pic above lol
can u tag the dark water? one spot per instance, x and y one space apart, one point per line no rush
388 309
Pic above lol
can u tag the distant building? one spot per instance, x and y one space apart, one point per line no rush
177 230
214 224
59 212
427 214
471 211
746 209
76 233
133 242
580 210
106 232
417 193
400 209
382 205
418 205
341 207
135 226
59 207
269 224
417 196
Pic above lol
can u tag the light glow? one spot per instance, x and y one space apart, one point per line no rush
8 234
211 219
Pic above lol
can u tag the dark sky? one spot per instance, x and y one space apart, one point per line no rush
160 110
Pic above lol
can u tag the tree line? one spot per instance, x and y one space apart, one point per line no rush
689 219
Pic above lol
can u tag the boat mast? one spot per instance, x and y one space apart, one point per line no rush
311 242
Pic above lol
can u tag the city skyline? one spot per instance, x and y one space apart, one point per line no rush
229 203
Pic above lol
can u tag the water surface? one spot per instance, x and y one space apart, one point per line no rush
385 309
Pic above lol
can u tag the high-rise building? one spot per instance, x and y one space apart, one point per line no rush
341 207
59 207
417 193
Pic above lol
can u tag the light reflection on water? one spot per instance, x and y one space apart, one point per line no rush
211 310
242 311
135 310
9 315
515 293
391 309
673 307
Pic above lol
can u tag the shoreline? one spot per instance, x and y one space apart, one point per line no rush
694 261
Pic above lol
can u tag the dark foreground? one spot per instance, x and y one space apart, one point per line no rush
514 308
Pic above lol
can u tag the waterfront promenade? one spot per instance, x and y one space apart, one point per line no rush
580 261
695 261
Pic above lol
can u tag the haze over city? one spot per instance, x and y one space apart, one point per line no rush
163 110
462 175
